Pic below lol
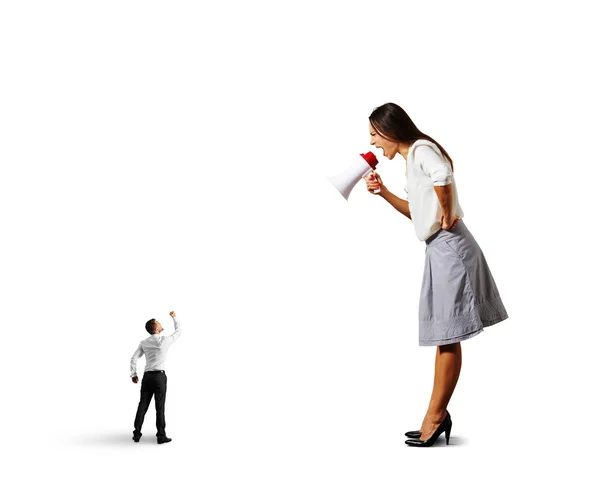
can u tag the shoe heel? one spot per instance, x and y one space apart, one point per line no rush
448 434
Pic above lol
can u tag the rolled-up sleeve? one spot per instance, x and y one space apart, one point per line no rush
434 166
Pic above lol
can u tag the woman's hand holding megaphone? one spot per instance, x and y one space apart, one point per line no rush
374 183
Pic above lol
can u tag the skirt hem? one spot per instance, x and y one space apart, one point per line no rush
462 337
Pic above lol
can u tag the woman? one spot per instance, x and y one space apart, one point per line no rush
458 293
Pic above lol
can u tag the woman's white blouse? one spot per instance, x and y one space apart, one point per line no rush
427 167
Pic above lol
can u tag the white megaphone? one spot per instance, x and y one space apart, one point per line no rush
362 166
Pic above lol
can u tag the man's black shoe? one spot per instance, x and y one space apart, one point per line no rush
162 440
136 438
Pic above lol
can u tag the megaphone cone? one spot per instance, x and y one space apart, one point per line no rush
363 165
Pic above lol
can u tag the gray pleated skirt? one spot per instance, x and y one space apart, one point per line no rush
458 294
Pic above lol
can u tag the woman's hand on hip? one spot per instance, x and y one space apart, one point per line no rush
374 182
450 223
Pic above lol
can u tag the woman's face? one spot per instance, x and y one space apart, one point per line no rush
390 148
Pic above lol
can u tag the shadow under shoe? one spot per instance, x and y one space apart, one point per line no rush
444 427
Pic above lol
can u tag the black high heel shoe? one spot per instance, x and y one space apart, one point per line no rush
446 427
416 434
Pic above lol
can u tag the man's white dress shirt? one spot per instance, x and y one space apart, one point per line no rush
427 167
155 348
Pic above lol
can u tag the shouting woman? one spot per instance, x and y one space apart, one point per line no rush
458 294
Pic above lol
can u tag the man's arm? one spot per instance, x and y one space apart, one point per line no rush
177 331
139 352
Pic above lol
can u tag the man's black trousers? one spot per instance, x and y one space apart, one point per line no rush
154 383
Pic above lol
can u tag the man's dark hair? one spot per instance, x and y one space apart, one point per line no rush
150 325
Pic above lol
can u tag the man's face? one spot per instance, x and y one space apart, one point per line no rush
158 328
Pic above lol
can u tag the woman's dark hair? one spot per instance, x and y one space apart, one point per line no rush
392 122
150 326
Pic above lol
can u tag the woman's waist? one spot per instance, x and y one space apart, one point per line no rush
441 234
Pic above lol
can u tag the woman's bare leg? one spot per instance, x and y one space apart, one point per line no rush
448 361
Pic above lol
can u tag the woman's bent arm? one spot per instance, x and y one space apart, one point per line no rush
374 183
398 203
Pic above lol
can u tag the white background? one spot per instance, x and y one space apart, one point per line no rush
174 155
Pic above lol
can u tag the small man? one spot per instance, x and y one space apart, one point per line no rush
154 382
